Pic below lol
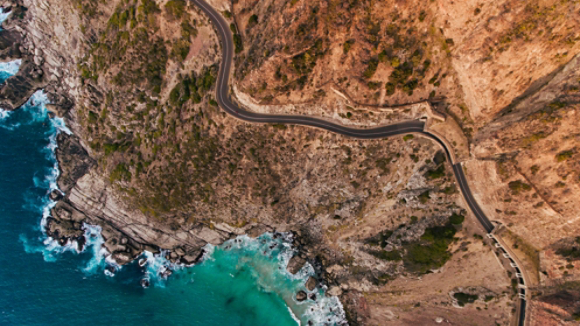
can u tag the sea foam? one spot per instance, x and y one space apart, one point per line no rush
3 15
267 256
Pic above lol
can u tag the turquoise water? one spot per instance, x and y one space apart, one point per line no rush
10 68
242 282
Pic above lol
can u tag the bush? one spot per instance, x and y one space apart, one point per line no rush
456 219
408 137
93 117
424 197
347 45
564 156
371 68
180 49
380 239
175 9
436 174
463 298
238 43
121 172
517 186
390 88
188 31
393 255
252 21
431 252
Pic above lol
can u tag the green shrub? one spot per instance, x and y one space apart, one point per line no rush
371 68
188 31
431 251
464 298
238 43
564 156
180 49
437 173
347 45
393 255
390 88
572 253
424 197
456 219
175 9
120 172
383 165
422 15
518 186
408 137
93 117
252 21
380 239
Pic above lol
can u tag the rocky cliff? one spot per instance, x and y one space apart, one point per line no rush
158 165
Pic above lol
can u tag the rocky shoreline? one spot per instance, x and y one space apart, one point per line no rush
42 68
86 197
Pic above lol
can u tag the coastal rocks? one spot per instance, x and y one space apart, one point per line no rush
335 291
64 231
18 88
55 195
144 283
73 161
295 264
356 308
310 283
10 45
301 296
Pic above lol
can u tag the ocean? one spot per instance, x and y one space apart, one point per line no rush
242 282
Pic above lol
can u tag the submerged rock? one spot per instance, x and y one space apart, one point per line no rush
301 296
144 283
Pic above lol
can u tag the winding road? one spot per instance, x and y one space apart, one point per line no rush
414 126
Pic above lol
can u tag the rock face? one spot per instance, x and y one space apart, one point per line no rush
73 160
295 264
311 283
157 165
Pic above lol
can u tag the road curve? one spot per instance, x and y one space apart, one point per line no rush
414 126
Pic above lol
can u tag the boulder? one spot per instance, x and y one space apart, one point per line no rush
301 296
295 264
335 291
311 283
56 195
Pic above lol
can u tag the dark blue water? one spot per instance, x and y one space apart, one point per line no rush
240 283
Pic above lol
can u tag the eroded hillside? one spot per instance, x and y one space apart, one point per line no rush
158 164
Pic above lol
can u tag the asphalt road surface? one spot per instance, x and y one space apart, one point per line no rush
414 126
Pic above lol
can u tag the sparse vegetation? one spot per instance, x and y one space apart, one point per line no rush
347 45
431 251
564 156
518 186
464 298
437 173
456 219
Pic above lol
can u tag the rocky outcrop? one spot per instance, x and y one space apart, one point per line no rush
73 161
92 201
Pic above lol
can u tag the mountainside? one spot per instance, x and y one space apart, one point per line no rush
157 163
